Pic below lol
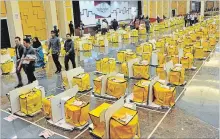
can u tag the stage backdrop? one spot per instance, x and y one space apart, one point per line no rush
91 11
102 9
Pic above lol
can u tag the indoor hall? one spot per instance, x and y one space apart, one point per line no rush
192 110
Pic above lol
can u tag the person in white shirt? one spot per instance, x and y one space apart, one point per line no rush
192 17
104 27
195 18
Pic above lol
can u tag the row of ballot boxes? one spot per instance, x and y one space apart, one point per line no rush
69 112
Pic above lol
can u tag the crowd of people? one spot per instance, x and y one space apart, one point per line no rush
104 26
191 18
212 9
29 55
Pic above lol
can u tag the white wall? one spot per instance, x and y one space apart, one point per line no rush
119 10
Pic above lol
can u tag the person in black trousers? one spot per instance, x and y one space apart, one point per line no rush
28 60
71 28
185 19
56 31
158 19
70 54
19 50
115 24
147 25
54 44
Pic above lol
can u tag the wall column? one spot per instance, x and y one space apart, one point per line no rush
160 8
14 21
153 9
148 8
187 6
144 7
169 8
51 16
166 8
202 8
177 7
63 25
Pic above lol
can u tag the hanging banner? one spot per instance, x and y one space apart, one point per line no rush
102 9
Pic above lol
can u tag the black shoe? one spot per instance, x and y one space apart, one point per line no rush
19 85
56 72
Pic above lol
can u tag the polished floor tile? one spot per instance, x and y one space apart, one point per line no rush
198 106
180 124
19 128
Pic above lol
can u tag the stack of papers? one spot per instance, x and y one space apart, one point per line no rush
177 68
46 134
78 103
126 118
145 83
164 86
81 75
144 62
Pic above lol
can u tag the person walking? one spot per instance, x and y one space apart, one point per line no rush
70 53
192 18
19 50
39 53
54 44
164 17
185 19
28 61
104 27
115 24
132 24
147 24
188 19
56 31
81 27
71 28
98 26
136 23
195 18
158 19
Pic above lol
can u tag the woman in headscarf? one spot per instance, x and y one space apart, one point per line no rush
39 53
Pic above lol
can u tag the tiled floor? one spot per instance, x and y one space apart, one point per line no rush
195 115
19 128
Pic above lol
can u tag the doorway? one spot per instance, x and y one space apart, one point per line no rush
195 6
174 12
5 40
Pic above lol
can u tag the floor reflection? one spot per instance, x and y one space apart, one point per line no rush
200 98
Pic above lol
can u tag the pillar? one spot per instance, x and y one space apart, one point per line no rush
51 16
144 7
148 8
61 15
153 9
174 5
182 7
69 10
187 6
202 8
14 21
177 7
169 8
160 8
166 9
